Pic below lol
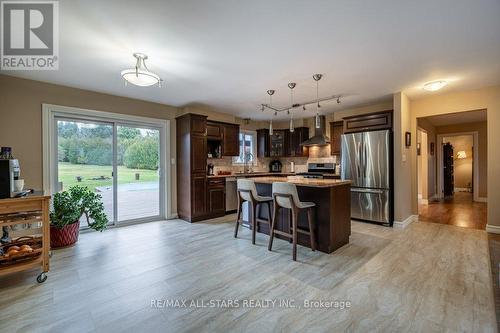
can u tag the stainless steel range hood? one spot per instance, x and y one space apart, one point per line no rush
319 138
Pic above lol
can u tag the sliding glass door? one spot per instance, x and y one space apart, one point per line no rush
120 161
138 188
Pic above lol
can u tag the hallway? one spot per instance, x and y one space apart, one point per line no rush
458 210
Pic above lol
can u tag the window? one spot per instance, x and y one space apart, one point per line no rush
248 148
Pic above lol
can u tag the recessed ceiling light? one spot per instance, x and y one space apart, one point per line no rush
434 85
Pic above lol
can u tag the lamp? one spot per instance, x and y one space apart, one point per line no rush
141 75
461 154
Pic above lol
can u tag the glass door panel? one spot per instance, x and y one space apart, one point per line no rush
85 158
138 180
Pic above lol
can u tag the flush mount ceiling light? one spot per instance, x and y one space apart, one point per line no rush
434 85
141 75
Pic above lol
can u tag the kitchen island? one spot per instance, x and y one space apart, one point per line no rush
332 214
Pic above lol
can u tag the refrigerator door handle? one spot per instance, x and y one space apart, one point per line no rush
366 190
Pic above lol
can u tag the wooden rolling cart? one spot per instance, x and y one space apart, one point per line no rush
27 221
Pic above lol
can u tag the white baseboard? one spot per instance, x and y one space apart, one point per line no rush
424 201
461 189
405 223
482 199
173 216
493 229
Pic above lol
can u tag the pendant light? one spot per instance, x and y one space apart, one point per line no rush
141 75
291 85
317 121
270 92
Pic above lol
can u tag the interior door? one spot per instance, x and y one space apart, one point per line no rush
352 158
375 165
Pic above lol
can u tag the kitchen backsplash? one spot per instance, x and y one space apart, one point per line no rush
226 163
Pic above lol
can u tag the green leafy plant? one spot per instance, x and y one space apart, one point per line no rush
69 206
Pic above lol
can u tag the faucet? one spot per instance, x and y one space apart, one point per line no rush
247 157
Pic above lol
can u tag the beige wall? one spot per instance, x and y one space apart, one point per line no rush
485 98
403 182
21 119
482 150
425 125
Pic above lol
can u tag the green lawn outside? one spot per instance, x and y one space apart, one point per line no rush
68 173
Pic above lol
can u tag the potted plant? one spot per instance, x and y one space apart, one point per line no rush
68 207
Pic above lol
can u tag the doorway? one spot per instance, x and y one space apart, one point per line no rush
120 158
456 146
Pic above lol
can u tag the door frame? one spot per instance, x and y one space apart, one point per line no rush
49 147
475 163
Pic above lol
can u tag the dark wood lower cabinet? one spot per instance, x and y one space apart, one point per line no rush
216 197
199 197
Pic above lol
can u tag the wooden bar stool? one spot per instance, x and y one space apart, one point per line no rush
285 195
248 192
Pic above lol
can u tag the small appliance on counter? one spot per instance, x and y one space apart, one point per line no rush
9 174
275 166
210 169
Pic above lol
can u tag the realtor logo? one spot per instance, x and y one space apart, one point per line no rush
29 35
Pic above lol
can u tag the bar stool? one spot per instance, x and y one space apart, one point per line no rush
248 192
285 195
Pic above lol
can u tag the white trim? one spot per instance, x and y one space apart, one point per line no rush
49 112
405 223
482 199
461 189
423 201
493 229
475 162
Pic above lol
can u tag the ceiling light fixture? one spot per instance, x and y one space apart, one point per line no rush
270 92
141 75
303 105
434 85
461 154
316 78
291 85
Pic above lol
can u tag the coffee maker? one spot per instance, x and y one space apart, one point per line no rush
9 172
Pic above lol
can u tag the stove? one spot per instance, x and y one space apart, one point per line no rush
318 170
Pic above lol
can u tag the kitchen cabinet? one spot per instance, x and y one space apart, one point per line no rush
230 140
279 143
282 143
200 197
263 143
191 166
368 122
336 131
216 196
299 135
214 131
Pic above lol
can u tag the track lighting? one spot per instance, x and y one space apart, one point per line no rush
338 100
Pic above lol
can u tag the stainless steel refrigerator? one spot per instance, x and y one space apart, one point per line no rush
367 162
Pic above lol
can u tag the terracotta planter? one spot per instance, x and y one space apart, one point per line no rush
66 236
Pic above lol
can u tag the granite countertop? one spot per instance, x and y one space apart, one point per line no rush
301 181
255 174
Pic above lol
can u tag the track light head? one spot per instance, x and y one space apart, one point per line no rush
338 100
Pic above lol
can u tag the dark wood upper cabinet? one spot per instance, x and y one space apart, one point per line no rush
214 131
279 143
368 122
263 143
299 135
336 131
230 140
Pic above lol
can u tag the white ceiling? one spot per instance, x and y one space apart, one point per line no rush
225 54
458 118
